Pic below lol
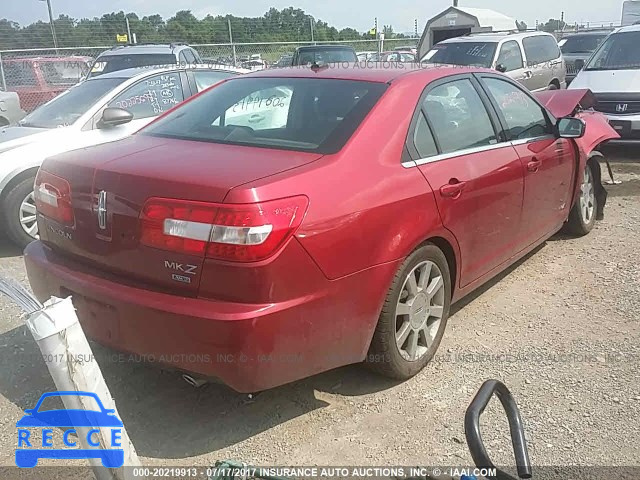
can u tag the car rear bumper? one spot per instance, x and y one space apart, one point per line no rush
250 347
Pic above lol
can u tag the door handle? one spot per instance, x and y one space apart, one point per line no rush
453 189
534 165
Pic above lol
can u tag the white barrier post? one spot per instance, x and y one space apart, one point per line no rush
57 331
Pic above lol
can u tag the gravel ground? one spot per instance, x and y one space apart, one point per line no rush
560 328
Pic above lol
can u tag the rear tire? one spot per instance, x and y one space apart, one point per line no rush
15 214
414 315
582 218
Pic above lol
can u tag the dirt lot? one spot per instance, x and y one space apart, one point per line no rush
561 329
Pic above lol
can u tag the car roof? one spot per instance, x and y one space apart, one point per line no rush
495 37
630 28
49 59
325 47
587 34
144 49
379 72
144 71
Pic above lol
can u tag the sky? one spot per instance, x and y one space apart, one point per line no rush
358 14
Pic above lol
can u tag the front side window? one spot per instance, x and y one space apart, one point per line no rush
479 54
525 118
306 114
618 52
458 116
152 96
510 56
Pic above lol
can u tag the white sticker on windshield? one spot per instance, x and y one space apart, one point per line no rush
98 67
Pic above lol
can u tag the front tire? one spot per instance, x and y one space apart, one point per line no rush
582 218
20 213
414 315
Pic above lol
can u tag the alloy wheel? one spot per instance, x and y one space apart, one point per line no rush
419 310
28 219
587 197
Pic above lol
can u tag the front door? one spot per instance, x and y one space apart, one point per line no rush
477 180
548 162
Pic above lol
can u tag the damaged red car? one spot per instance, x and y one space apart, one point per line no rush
293 221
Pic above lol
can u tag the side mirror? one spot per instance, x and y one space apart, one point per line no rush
579 64
501 68
112 117
570 127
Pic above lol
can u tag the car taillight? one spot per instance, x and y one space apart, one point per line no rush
239 233
53 197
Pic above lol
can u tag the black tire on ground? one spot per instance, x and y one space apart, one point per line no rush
11 211
579 224
384 355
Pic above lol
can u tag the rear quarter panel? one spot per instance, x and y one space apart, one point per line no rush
365 208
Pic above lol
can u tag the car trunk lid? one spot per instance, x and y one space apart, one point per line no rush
114 182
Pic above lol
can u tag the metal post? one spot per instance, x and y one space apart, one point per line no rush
231 41
129 38
311 25
53 27
2 79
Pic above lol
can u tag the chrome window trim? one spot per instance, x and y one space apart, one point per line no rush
524 141
457 153
471 151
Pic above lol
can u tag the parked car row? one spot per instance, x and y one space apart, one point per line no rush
101 109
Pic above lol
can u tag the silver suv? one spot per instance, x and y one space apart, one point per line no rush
123 57
533 58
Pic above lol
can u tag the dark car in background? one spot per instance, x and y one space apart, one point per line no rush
37 80
124 57
283 61
578 48
324 54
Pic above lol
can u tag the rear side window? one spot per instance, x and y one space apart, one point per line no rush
458 116
540 49
423 138
204 79
64 72
525 118
152 96
510 56
306 114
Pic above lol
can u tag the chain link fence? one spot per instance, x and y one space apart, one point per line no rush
38 75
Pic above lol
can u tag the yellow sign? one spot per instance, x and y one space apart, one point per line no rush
372 31
122 38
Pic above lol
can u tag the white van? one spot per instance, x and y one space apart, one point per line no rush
613 75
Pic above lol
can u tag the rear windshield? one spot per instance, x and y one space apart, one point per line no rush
618 52
64 72
334 55
581 44
477 54
306 114
115 63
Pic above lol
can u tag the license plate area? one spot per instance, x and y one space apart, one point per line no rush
622 127
99 320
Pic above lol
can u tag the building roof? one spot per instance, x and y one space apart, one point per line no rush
490 18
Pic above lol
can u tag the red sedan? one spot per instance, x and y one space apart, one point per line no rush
293 221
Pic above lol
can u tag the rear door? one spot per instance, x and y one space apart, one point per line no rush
476 177
548 162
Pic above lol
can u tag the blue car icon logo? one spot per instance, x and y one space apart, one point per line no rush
69 420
